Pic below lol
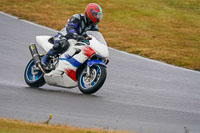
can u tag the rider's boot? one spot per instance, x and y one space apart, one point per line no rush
45 59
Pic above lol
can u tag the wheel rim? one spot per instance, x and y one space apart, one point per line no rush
33 73
89 82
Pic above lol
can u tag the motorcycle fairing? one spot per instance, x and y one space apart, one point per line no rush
65 73
44 43
71 60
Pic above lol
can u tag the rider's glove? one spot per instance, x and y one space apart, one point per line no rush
79 38
88 38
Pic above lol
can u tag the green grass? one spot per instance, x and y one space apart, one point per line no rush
15 126
165 30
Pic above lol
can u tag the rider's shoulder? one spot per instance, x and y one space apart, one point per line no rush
74 18
77 16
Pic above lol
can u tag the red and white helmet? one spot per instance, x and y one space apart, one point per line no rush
94 12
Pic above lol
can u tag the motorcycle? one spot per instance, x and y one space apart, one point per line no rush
82 65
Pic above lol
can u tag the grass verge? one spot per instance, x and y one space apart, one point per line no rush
16 126
165 30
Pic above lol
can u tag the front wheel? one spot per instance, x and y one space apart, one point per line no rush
91 84
33 76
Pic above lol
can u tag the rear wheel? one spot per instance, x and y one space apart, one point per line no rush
91 84
33 76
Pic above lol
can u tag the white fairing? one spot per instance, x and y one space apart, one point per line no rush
99 47
44 43
64 74
98 44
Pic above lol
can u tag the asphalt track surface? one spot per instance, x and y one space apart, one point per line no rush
139 94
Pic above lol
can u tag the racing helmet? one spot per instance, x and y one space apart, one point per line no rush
94 12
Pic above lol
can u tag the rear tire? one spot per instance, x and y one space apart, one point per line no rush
97 80
33 76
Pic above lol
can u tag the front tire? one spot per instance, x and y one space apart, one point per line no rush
92 84
33 76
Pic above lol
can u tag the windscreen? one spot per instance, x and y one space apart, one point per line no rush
97 35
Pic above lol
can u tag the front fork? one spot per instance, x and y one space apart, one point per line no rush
92 62
88 71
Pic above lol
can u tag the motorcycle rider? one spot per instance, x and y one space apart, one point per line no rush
76 28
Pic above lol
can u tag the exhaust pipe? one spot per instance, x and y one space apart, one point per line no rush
36 57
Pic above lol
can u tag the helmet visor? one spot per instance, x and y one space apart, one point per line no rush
97 15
